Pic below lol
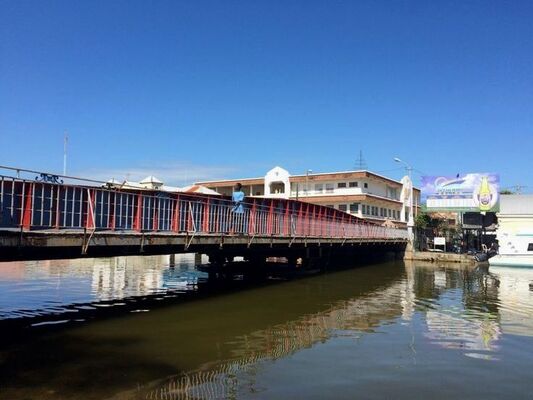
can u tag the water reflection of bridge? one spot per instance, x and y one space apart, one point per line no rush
464 309
362 314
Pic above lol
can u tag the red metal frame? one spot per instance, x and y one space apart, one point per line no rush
265 216
27 208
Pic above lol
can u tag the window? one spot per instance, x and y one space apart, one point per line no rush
353 184
343 207
319 188
277 187
364 208
365 185
341 185
354 207
392 192
530 247
329 187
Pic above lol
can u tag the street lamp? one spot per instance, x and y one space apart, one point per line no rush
410 221
307 181
298 186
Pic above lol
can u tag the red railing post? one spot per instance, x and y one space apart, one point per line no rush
176 221
27 207
217 211
287 219
307 224
138 212
206 216
58 211
270 218
90 220
251 220
112 206
314 221
155 221
300 219
189 216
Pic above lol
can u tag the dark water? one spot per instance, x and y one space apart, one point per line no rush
389 331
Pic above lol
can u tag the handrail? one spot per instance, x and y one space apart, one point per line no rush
34 205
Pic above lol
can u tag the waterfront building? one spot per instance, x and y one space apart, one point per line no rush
515 231
362 193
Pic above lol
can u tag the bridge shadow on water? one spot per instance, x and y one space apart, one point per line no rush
192 349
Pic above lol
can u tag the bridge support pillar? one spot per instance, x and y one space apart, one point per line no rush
217 258
197 258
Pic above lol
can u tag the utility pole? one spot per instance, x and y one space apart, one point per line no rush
65 142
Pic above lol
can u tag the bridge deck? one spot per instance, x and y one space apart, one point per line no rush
39 219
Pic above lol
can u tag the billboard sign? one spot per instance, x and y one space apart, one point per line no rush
471 192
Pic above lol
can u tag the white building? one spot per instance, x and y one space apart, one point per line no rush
361 193
515 231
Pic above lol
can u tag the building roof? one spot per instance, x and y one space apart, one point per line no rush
355 174
231 182
322 176
198 189
151 179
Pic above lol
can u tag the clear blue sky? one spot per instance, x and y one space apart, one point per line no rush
210 89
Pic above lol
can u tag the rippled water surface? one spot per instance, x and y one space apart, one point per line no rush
42 288
389 330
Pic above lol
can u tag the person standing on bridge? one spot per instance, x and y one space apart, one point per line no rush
238 209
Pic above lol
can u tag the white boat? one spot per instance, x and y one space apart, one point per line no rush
502 260
516 249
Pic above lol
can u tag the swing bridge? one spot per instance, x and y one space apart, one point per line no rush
44 216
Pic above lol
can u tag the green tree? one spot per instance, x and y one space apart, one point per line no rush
422 221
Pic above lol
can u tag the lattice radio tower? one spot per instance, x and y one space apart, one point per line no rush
360 163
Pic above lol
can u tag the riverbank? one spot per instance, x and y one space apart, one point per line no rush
431 256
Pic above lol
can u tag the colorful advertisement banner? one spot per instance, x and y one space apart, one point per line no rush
471 192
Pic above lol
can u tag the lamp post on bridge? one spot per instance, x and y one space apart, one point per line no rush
410 221
307 181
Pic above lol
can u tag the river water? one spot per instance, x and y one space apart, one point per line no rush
382 331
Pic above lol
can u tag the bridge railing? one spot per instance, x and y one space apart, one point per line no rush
37 205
